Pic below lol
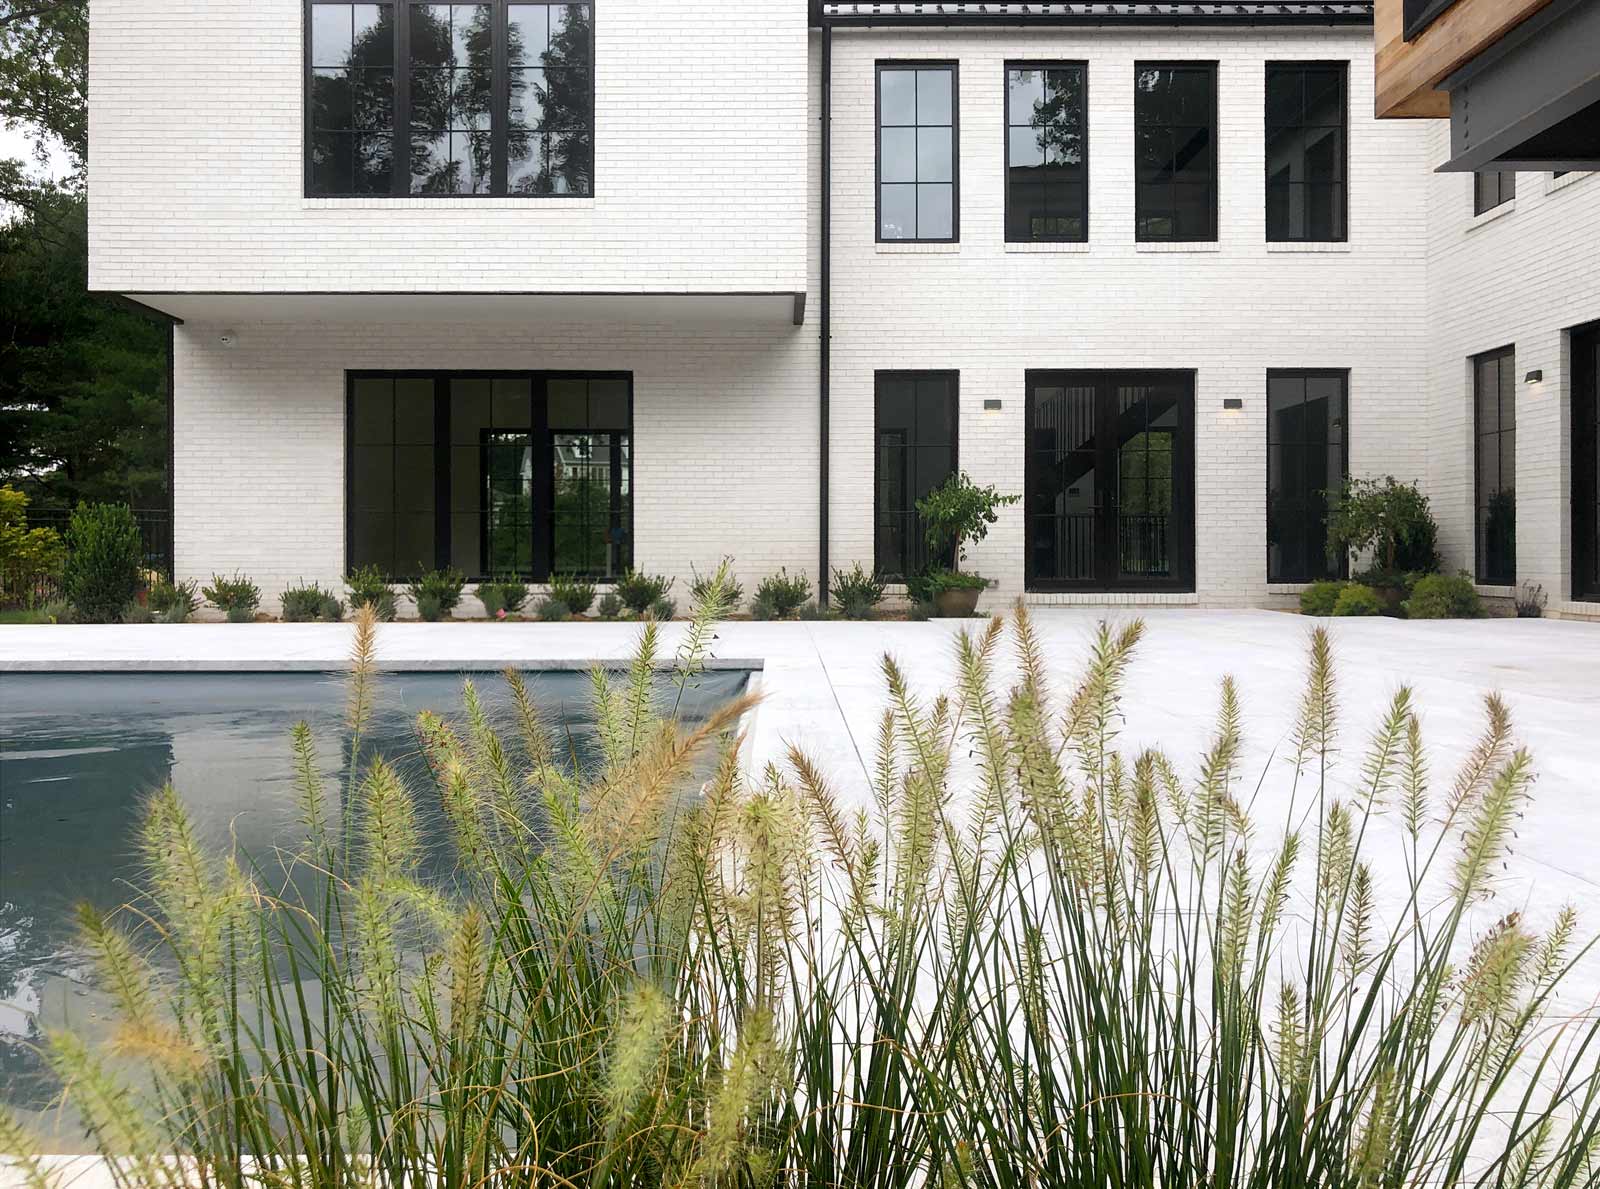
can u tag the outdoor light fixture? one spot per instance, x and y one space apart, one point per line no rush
1534 377
991 405
1233 402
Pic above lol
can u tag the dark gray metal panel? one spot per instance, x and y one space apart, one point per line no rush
1543 73
1091 12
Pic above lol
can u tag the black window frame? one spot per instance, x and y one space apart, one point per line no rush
1506 360
1486 196
1341 186
1339 567
914 64
400 179
1417 15
543 523
953 378
1584 456
1211 67
1082 66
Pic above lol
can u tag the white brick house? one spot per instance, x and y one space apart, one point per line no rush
546 288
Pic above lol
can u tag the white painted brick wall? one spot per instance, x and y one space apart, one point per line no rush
1520 276
196 163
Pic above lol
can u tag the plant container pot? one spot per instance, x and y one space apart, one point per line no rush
960 603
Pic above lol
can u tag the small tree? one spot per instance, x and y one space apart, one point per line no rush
1390 518
959 513
26 555
104 551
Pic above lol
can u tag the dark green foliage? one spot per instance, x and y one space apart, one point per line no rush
610 606
921 611
429 607
442 588
959 513
237 597
1444 596
1387 517
732 591
1319 597
1356 599
553 610
504 595
810 610
310 604
1530 600
104 553
577 594
762 610
782 593
137 612
856 592
173 602
369 587
637 591
663 609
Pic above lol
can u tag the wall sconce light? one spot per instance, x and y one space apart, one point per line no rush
1534 377
1232 403
991 406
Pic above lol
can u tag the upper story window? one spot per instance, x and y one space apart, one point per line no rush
1175 146
472 99
917 166
1307 129
1047 152
1490 190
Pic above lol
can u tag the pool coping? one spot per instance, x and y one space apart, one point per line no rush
342 665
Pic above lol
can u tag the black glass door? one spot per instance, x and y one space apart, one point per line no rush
1110 481
1586 462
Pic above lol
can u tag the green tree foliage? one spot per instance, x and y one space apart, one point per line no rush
104 551
1390 518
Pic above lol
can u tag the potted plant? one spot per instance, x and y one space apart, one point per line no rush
955 515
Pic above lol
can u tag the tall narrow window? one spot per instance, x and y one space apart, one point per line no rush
1307 122
482 97
1495 433
1308 452
917 167
1047 152
591 510
1175 147
916 452
392 473
1490 190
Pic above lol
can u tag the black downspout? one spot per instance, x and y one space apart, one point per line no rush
824 312
172 452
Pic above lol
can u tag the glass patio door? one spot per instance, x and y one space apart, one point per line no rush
1110 481
1586 462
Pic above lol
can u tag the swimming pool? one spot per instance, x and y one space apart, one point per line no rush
79 751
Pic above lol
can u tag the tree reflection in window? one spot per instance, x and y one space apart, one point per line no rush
550 147
452 98
352 98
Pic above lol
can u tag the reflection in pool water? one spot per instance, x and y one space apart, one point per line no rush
78 752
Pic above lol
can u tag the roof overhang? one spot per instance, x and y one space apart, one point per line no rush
1532 100
765 308
887 13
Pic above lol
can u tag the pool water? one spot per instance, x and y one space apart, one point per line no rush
80 752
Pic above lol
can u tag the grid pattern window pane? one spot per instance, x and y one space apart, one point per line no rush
392 464
917 151
491 476
1147 429
1490 190
1307 126
916 452
350 99
1047 146
482 97
1495 438
1062 480
1175 151
1307 457
591 453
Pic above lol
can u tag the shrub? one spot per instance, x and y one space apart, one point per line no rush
1530 600
506 594
921 611
610 606
552 610
137 612
1319 598
1109 973
1444 596
959 513
811 610
762 609
1387 517
27 555
310 604
442 590
173 602
782 593
574 592
236 596
637 591
57 611
856 592
663 609
700 587
369 587
1356 599
104 551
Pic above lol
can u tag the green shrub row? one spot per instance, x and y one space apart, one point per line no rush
1425 596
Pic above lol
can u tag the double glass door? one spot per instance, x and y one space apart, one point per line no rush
1110 480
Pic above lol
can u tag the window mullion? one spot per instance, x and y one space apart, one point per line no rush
500 97
400 181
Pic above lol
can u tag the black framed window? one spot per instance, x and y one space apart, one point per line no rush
1494 383
1047 152
1308 455
915 433
527 474
1419 14
918 169
1175 148
1308 119
480 98
1490 190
